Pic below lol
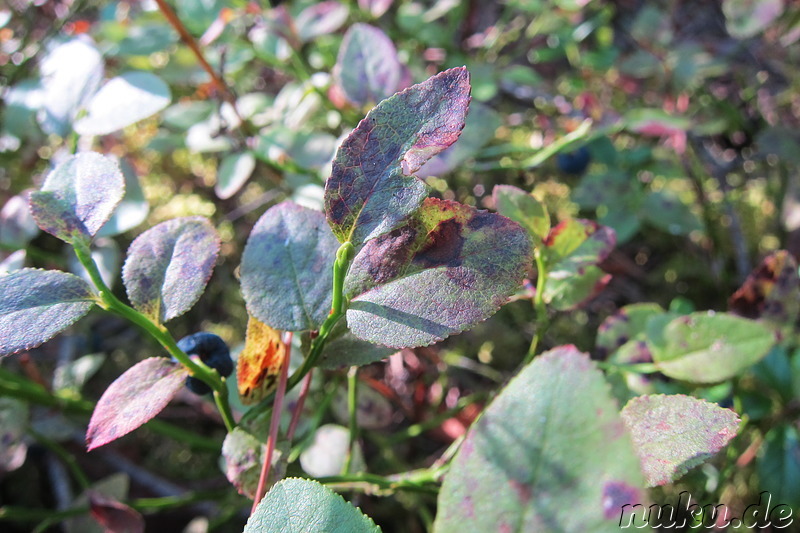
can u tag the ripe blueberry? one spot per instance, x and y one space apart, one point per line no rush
212 351
574 162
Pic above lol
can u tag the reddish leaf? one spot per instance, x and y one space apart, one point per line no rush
770 291
134 398
114 516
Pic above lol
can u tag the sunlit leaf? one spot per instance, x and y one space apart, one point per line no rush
134 398
37 304
234 171
673 434
287 268
553 435
320 18
78 196
447 268
260 362
305 506
370 190
376 8
17 225
133 208
747 18
710 347
169 265
522 208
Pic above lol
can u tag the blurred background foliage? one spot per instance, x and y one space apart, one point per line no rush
673 122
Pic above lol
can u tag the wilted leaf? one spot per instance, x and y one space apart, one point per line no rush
320 18
553 435
234 171
115 517
447 268
37 304
260 362
370 190
287 268
523 208
169 265
78 196
770 291
709 347
304 506
122 101
71 72
134 398
673 434
367 68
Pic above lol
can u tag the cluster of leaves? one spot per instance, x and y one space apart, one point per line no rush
668 179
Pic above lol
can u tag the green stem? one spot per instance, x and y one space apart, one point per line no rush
637 368
67 458
343 257
111 303
542 320
352 408
415 481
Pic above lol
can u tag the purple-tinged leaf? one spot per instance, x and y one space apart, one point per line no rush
134 398
319 19
79 196
479 129
770 292
672 434
114 516
367 68
37 304
243 453
287 268
572 250
371 190
709 347
17 226
305 506
122 101
524 209
747 18
447 268
553 435
626 327
115 487
376 8
169 265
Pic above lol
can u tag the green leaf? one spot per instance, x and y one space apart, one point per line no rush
553 435
710 347
37 304
367 69
17 225
14 419
168 266
447 268
675 433
287 268
626 326
122 101
198 14
779 464
371 190
665 211
134 398
523 208
572 250
78 197
133 208
234 171
71 71
304 506
343 349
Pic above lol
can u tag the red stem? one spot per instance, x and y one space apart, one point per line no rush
299 407
274 423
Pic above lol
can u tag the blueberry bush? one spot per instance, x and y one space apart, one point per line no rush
503 266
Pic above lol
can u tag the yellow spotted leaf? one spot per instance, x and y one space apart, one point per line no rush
260 362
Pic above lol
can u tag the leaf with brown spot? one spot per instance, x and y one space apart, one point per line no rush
260 362
371 191
771 292
447 268
134 398
675 433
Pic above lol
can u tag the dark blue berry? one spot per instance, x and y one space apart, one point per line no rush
574 162
212 351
